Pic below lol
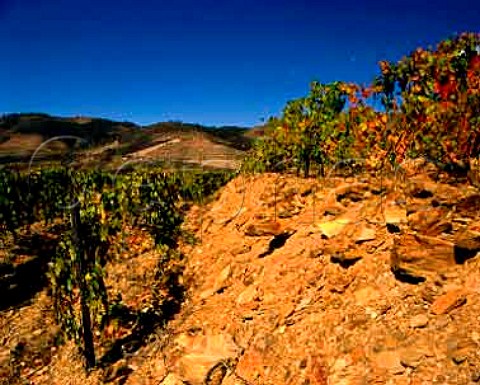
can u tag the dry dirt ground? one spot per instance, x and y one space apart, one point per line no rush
365 280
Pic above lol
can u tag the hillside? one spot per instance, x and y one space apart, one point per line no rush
336 281
367 273
106 143
345 281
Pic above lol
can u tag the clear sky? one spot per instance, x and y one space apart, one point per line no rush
213 62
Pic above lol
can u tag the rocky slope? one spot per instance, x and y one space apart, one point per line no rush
360 281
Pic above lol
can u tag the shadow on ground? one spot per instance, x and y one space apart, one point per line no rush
144 323
24 275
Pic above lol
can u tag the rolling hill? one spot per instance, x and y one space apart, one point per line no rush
106 143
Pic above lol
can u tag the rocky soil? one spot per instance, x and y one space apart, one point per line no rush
343 281
349 281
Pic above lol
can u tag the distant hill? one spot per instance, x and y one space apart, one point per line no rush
94 130
232 136
109 143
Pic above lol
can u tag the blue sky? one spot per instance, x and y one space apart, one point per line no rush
203 61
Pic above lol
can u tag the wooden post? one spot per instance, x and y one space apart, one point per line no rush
88 347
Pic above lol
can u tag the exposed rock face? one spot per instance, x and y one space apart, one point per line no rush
171 379
330 305
333 228
448 302
205 358
262 229
430 221
467 244
419 321
390 362
420 256
376 283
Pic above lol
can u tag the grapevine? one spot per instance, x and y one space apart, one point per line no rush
96 207
430 107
